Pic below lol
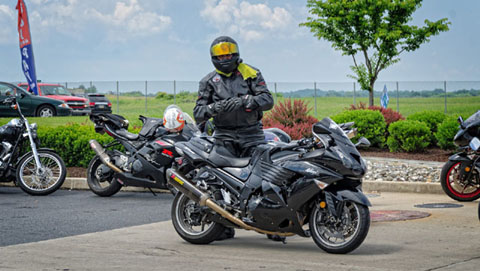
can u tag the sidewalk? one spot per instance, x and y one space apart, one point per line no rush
447 240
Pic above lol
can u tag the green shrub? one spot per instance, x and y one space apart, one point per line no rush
164 96
370 124
408 135
71 142
446 132
431 118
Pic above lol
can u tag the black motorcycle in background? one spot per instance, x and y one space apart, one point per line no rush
147 154
310 187
144 160
38 172
460 177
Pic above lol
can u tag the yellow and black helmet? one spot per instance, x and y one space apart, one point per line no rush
225 46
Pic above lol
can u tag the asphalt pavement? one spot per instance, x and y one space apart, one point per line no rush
448 239
24 218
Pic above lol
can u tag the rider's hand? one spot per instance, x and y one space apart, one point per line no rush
232 104
215 108
249 103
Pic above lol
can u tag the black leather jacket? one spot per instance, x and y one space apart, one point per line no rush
216 87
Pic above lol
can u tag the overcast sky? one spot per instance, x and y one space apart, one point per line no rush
84 40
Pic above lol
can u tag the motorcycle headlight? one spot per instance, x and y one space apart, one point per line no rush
33 126
64 105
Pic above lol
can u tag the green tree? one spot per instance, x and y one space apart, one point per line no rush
378 30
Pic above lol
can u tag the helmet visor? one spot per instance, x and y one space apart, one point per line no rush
224 48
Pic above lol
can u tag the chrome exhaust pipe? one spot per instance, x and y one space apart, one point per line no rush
100 151
191 191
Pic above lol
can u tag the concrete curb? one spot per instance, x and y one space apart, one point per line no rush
368 186
72 183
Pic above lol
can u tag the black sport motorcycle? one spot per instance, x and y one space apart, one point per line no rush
310 187
144 160
147 154
460 177
38 172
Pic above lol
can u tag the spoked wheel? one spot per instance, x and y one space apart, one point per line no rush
191 223
41 181
457 189
100 179
341 235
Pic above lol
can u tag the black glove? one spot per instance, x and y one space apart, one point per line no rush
214 108
249 103
232 104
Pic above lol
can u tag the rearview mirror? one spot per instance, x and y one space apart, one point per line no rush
8 93
460 121
363 142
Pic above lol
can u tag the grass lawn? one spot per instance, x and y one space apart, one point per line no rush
132 107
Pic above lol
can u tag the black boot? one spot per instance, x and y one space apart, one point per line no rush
277 238
227 234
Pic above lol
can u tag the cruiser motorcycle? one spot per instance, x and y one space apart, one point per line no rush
310 187
460 176
38 172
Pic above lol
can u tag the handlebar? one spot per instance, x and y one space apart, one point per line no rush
304 143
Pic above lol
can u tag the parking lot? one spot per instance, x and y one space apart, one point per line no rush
448 239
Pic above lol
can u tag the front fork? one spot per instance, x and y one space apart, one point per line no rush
34 149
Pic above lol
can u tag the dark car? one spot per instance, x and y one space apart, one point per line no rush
99 103
78 105
31 105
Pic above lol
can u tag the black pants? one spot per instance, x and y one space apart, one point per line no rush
240 142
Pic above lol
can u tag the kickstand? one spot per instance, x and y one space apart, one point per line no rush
152 191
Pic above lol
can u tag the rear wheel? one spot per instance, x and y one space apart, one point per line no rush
191 223
457 189
340 235
100 178
46 111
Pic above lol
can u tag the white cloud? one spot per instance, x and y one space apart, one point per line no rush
120 19
7 25
130 18
249 21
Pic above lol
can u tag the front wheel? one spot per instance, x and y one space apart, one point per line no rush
43 181
191 223
100 178
455 187
340 235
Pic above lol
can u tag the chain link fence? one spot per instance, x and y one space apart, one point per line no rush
324 98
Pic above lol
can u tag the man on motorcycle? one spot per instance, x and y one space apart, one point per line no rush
235 95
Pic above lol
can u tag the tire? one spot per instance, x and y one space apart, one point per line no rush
479 211
95 184
44 184
184 228
46 111
320 228
452 187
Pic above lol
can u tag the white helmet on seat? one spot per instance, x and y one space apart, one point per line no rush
173 119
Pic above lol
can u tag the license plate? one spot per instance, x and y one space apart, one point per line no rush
101 106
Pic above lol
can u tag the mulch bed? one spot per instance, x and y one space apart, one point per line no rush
77 172
432 154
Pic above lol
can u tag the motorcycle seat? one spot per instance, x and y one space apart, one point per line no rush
221 157
126 134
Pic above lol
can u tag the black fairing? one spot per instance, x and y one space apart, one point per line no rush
471 129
